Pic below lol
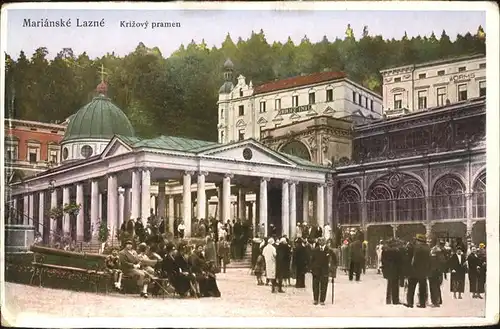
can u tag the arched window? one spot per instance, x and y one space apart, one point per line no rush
479 197
297 149
449 198
410 205
379 204
349 206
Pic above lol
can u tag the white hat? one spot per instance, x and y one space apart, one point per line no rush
270 241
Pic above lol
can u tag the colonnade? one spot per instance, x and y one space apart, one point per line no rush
136 201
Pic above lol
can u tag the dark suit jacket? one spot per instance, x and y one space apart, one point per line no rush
460 267
321 260
421 261
127 260
356 251
391 262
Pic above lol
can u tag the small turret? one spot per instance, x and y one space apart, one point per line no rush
228 86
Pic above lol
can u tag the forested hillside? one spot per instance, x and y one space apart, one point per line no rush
178 95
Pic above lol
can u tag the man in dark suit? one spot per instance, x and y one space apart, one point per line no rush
419 270
391 266
322 258
356 257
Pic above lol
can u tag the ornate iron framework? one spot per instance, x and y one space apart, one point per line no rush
479 197
449 198
349 206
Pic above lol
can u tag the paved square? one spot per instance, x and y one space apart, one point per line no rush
241 297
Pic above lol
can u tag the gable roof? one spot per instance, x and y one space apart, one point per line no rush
169 143
298 81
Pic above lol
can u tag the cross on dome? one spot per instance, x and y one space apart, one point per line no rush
102 88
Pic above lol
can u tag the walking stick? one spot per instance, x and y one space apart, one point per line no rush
333 287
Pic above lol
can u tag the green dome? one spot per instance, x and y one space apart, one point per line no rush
99 119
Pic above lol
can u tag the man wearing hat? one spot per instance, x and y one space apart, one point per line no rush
419 270
131 265
321 260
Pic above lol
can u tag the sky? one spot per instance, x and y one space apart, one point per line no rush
213 26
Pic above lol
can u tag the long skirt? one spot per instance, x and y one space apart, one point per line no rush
473 283
457 282
208 286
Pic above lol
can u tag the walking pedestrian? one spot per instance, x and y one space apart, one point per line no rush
419 271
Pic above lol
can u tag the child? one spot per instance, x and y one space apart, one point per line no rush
113 266
259 269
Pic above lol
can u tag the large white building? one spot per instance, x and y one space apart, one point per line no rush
246 110
418 87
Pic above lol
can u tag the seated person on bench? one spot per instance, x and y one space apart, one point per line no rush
113 266
131 264
182 281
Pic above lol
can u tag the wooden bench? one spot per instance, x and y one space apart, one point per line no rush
91 266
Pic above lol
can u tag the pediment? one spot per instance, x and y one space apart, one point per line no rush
278 118
240 123
295 116
311 113
328 110
248 151
262 121
115 147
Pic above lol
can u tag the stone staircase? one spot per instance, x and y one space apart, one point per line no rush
246 262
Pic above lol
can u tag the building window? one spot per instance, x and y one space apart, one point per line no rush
65 153
422 99
277 104
371 104
440 72
397 79
86 151
422 76
262 107
329 95
398 101
359 100
312 98
295 101
32 155
260 132
222 137
241 92
241 110
462 92
482 65
462 69
441 96
52 156
241 134
482 88
277 125
366 102
222 113
354 98
11 154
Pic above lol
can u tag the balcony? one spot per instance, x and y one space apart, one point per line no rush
392 113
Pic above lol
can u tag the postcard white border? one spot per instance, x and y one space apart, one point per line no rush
492 132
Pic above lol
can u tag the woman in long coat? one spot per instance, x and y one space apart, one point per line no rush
269 253
474 266
300 263
457 265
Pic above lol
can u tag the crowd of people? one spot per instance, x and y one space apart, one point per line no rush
427 263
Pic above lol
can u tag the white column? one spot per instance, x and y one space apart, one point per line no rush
201 197
14 206
305 202
26 209
320 205
219 203
135 207
293 209
145 196
171 213
254 211
285 208
94 207
66 201
100 206
186 203
263 203
112 205
329 203
121 207
226 197
241 204
81 213
126 203
53 204
31 206
161 200
152 205
41 211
